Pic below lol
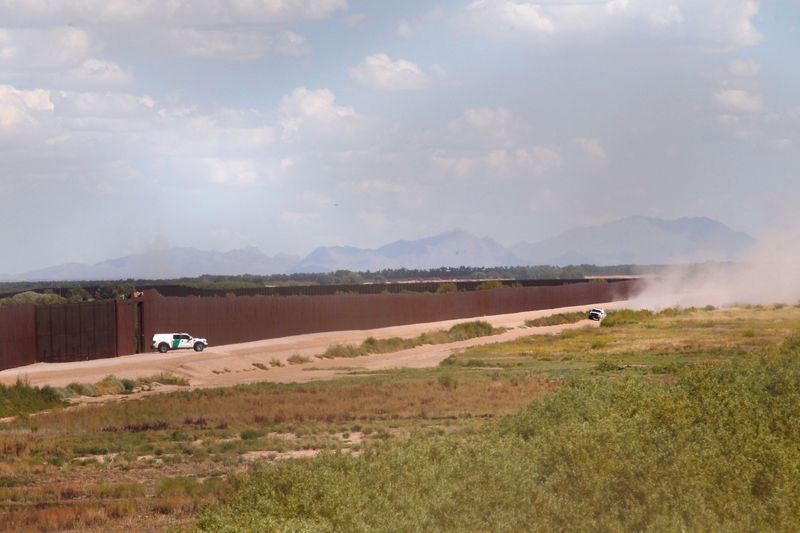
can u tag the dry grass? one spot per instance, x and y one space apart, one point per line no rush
93 468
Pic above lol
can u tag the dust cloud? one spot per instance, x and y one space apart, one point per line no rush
767 274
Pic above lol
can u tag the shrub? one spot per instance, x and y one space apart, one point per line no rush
251 434
606 366
297 359
165 378
23 399
623 317
556 319
110 385
445 288
83 389
447 381
342 350
490 284
469 330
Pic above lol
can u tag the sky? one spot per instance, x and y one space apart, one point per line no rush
133 125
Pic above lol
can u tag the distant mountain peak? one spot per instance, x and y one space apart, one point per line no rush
452 248
640 240
630 240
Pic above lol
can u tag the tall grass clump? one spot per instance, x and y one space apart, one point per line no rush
22 399
445 288
556 319
623 317
469 330
715 450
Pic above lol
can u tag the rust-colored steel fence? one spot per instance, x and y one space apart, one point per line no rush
72 332
247 318
17 336
128 325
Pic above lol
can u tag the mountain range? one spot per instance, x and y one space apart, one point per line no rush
631 240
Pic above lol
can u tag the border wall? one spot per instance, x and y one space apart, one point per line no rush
92 330
17 336
249 318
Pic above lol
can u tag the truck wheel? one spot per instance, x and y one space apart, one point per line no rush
198 347
163 347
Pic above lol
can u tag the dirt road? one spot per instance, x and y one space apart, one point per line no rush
234 364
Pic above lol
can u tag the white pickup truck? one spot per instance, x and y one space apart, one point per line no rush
163 342
597 314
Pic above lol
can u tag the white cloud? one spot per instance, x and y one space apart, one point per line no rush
45 34
443 78
236 172
484 118
738 100
103 140
27 50
666 16
498 163
20 106
305 105
379 72
540 157
201 13
319 104
95 73
715 25
240 45
593 149
504 18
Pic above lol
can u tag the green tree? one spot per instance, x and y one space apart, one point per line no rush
124 290
78 294
105 291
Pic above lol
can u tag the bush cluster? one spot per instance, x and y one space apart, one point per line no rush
556 319
22 399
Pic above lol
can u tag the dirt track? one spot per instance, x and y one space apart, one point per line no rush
233 364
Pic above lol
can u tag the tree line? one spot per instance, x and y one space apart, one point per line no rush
50 292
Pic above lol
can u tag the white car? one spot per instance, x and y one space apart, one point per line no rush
597 314
163 342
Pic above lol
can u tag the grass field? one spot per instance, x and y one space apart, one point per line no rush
682 420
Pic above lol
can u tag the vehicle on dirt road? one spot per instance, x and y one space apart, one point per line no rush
597 314
164 342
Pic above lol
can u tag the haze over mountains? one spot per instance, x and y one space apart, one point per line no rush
632 240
